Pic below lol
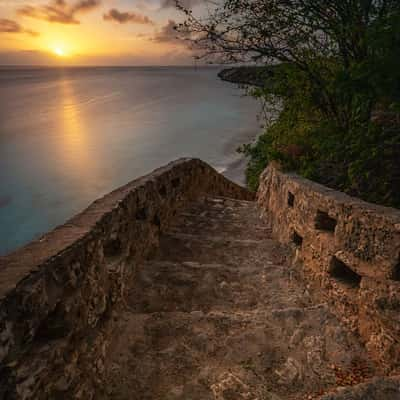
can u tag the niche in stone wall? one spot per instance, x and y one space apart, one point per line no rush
54 326
156 220
141 214
175 182
162 191
396 271
343 274
297 239
112 248
324 222
290 200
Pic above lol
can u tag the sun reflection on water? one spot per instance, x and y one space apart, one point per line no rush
74 143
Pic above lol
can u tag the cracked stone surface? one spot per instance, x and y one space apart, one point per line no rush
220 314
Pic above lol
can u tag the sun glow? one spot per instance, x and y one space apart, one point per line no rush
85 44
59 51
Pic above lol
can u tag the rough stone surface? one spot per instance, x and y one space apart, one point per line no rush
347 248
379 388
175 287
220 313
58 295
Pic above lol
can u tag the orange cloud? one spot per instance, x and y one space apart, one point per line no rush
127 17
183 3
9 26
59 11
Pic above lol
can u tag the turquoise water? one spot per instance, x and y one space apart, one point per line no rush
68 136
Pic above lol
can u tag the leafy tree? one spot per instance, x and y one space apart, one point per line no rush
329 41
338 80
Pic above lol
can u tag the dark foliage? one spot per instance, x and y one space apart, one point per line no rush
337 83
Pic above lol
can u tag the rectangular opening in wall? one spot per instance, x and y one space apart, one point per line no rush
324 222
112 248
163 191
343 273
54 327
297 239
141 214
175 182
290 200
396 272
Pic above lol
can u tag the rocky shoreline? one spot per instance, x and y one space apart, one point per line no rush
260 77
253 76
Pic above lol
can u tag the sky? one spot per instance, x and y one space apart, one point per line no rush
92 32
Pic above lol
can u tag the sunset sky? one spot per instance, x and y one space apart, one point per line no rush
91 32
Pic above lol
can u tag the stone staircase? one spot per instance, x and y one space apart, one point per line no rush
219 313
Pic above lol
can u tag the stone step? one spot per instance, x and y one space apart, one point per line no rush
188 286
180 355
208 249
230 229
219 313
203 209
202 219
385 388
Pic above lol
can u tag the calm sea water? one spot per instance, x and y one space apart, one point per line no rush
68 136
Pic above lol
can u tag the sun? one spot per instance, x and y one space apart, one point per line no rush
59 51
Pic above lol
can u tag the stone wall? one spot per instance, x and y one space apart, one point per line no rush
58 295
347 248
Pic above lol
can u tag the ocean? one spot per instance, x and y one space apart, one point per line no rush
70 135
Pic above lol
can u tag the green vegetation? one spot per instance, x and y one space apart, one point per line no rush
337 85
363 158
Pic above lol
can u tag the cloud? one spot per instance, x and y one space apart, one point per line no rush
127 17
59 11
184 3
167 34
183 42
84 5
9 26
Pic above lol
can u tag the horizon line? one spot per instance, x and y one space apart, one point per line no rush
110 66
